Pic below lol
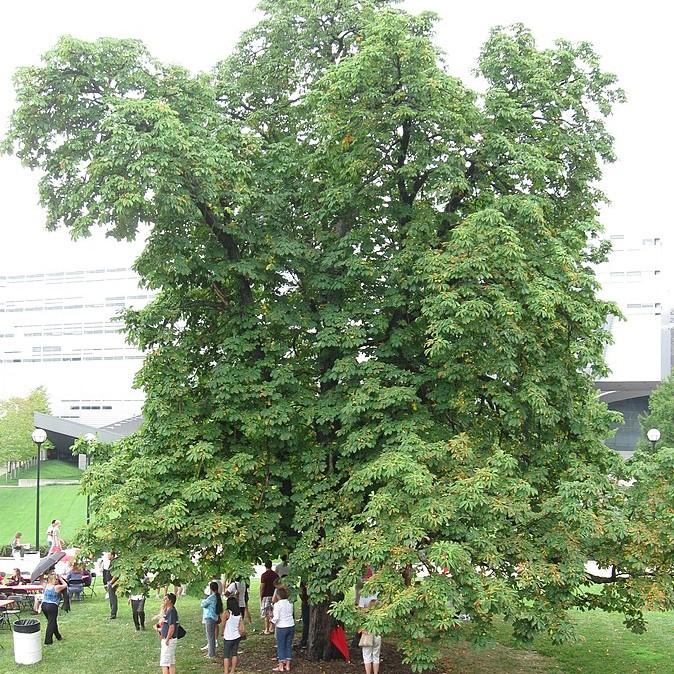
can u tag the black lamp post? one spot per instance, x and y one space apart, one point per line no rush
90 439
39 436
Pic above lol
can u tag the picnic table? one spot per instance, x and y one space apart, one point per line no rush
18 589
6 603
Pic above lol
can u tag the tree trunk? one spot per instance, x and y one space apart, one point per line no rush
321 624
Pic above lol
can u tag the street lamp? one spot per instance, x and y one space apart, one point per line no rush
39 436
653 435
89 438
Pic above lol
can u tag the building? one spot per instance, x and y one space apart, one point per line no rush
61 330
638 278
62 433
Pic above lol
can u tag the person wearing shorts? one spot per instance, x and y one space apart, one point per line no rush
167 631
267 580
371 653
371 656
232 631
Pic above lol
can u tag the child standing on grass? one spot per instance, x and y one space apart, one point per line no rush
233 630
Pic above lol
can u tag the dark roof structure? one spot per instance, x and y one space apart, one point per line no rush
63 432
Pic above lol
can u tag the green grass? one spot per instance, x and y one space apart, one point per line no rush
92 644
17 511
604 645
54 470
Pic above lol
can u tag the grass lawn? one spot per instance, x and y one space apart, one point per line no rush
93 644
17 511
57 470
605 646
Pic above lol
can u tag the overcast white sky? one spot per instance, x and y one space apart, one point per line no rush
634 41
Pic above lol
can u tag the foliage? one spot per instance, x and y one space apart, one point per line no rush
660 415
17 425
376 334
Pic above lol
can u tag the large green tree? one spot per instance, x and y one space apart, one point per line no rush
376 331
16 425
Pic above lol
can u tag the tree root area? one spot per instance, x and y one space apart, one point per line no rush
258 654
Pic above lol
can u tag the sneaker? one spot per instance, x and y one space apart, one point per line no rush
204 648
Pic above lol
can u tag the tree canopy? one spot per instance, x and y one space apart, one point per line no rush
660 415
16 425
376 331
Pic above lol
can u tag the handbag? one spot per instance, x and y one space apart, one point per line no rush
180 631
366 640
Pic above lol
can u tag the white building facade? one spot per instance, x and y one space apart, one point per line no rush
638 278
61 330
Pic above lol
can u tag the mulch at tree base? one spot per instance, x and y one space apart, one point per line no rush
258 652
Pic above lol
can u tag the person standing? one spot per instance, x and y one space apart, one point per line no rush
238 589
233 630
106 560
371 645
285 629
212 610
50 607
17 546
111 587
50 534
56 542
283 569
137 601
167 633
267 580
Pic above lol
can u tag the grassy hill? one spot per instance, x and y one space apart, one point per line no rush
17 511
48 470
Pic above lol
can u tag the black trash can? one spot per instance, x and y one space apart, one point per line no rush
27 641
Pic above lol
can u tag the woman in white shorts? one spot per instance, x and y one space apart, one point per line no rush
371 645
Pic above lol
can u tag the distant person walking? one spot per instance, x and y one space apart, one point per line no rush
56 543
50 534
50 607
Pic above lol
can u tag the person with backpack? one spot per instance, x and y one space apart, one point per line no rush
239 589
168 628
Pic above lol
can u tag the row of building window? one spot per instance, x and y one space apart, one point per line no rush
68 358
52 300
91 407
64 307
32 278
655 241
632 275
